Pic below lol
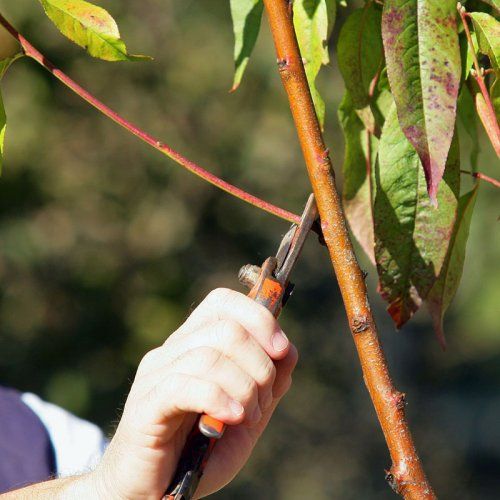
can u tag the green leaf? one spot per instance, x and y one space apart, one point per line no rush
487 30
3 125
246 15
495 97
89 26
446 286
360 57
314 21
423 66
467 115
356 169
411 236
4 66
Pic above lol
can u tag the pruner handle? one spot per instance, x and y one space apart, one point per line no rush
269 292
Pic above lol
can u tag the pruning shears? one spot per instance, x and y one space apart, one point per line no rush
270 286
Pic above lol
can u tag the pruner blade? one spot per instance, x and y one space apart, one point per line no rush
293 242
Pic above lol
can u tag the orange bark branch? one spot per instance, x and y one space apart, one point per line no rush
406 475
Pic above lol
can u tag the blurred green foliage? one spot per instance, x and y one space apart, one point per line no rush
106 245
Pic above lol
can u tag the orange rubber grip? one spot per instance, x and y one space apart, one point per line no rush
269 293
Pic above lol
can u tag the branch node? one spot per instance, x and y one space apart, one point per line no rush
283 64
391 479
400 400
360 325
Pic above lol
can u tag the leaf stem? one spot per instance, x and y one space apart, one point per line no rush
485 109
406 475
34 54
484 177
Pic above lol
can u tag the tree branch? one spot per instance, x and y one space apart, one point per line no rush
33 53
406 475
484 106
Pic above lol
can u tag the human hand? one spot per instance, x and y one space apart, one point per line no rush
229 360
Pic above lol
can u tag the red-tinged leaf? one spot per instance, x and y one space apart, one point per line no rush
488 119
423 66
446 286
411 236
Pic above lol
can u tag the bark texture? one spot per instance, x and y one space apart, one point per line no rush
406 475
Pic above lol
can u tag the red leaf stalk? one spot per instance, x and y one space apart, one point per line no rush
33 53
406 475
484 107
484 177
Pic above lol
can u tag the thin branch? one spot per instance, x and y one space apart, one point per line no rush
406 475
484 106
484 177
33 53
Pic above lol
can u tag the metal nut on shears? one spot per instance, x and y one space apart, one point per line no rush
248 275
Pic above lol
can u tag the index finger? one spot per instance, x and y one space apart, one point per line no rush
223 303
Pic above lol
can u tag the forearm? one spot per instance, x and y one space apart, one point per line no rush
70 488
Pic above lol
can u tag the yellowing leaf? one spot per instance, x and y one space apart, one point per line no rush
89 26
314 21
4 66
246 15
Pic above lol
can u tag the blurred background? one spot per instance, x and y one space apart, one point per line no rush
105 246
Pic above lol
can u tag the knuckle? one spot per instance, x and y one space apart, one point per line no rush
148 360
212 394
268 373
251 389
232 333
205 358
176 382
219 296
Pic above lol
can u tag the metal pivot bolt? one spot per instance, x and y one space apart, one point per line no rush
248 275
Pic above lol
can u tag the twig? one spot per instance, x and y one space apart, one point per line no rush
484 177
406 475
485 109
33 53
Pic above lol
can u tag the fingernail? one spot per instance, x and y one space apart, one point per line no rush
280 341
236 408
256 415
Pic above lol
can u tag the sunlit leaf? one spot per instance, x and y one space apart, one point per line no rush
423 66
360 56
446 286
487 30
411 236
4 66
89 26
246 15
314 21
